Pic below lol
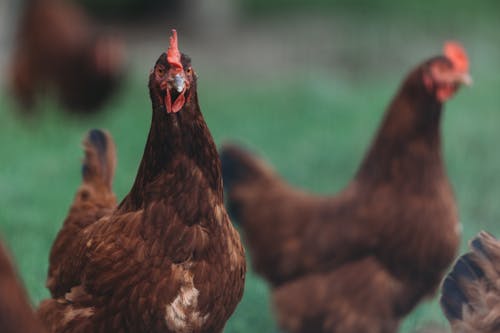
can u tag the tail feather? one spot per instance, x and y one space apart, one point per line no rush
239 166
241 171
470 296
100 158
454 297
93 200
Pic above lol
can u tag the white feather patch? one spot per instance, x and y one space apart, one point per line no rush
71 313
182 315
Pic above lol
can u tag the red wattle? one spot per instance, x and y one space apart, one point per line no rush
178 103
445 93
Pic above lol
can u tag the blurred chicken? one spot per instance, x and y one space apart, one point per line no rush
60 50
16 314
361 260
167 259
471 292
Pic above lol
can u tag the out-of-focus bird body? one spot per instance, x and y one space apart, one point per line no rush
16 314
60 50
379 246
167 259
313 214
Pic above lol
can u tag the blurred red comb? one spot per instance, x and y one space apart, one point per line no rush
173 54
457 55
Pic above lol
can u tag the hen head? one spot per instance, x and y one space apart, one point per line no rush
172 78
444 74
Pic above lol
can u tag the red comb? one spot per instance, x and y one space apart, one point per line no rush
173 54
457 55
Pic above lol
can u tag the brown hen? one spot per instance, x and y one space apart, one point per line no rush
167 259
16 313
361 260
58 49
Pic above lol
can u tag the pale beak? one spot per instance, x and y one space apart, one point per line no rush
465 78
179 83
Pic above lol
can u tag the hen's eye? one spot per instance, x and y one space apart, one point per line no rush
160 71
189 71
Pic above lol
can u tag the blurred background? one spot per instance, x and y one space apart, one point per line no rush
304 83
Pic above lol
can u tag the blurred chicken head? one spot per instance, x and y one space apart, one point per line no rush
446 73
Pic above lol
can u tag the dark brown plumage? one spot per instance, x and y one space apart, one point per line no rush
167 259
470 296
361 260
16 313
58 49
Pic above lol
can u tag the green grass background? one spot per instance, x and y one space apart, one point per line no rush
313 124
